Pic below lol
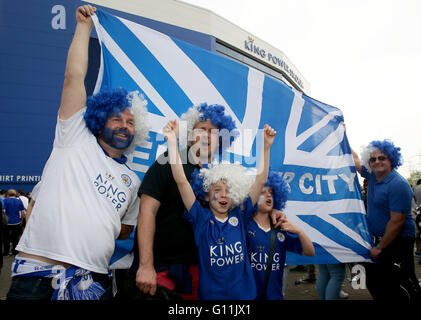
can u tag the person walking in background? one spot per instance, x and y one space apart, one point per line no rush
417 193
15 211
23 198
329 281
1 237
390 221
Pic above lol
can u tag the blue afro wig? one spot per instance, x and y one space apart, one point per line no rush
100 106
196 183
387 147
280 190
216 114
107 102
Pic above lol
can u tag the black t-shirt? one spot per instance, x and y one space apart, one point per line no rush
174 240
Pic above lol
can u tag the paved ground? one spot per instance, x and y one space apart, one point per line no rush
302 291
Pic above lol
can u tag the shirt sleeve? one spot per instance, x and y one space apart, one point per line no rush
130 217
35 191
364 172
156 180
21 206
197 214
71 131
248 209
293 243
400 198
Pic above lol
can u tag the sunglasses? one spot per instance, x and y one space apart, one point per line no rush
380 158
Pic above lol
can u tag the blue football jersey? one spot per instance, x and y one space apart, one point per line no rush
258 244
224 266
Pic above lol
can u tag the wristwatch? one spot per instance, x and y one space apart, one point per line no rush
378 246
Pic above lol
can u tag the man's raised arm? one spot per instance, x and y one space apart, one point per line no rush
73 97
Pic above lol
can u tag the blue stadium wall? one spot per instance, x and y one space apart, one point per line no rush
35 37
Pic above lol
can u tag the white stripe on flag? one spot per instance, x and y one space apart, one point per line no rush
323 209
155 120
196 85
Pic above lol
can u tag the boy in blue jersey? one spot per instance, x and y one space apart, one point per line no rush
289 237
220 225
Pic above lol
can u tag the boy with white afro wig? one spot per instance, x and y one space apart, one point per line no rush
236 177
220 228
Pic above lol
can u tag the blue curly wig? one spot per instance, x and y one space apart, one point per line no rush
280 190
196 182
387 147
216 114
102 105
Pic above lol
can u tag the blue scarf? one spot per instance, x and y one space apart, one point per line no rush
71 283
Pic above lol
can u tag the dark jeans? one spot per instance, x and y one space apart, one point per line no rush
11 235
396 262
38 288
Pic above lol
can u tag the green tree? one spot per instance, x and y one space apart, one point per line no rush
414 176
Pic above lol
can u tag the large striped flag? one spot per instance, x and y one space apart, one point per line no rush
311 150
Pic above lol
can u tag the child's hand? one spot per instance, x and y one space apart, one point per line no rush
268 135
170 131
290 227
278 217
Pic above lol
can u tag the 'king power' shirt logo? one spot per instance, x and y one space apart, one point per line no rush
259 261
104 187
226 254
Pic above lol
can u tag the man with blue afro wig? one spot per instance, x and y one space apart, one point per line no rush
110 106
166 240
200 123
390 221
87 198
386 147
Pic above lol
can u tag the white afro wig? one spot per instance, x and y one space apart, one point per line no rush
237 178
140 113
366 152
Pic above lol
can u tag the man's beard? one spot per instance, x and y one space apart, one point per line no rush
110 137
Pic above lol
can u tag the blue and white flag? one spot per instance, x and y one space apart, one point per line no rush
310 151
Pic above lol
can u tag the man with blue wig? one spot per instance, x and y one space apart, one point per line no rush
167 251
87 197
390 221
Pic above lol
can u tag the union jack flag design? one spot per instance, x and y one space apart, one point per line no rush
310 152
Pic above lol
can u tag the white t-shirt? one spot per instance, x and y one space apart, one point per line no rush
25 201
82 201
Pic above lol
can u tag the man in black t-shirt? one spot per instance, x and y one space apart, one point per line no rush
167 250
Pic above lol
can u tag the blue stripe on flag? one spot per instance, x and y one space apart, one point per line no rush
321 257
232 85
116 76
148 65
333 233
